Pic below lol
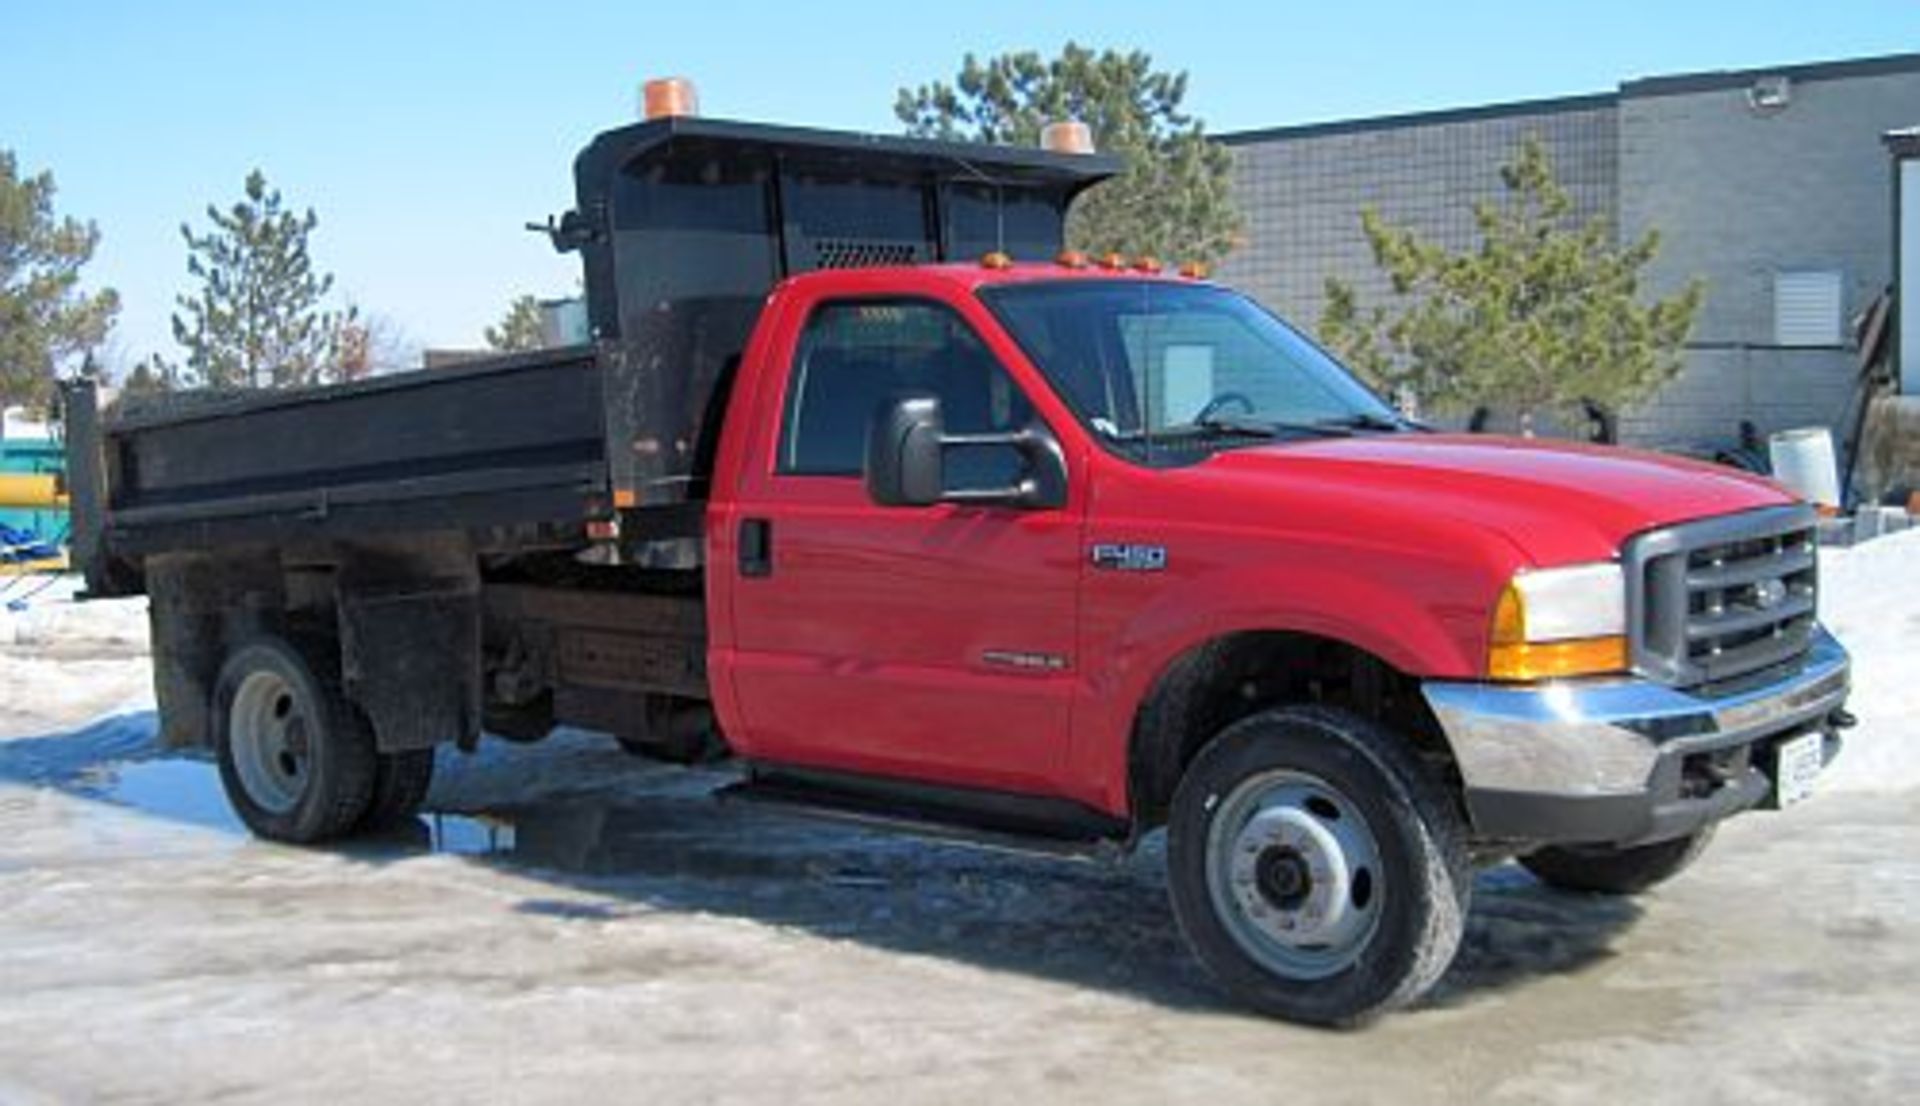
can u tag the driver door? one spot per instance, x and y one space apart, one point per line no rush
933 642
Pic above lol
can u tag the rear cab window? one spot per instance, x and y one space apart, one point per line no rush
855 356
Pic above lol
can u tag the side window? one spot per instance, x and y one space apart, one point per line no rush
854 356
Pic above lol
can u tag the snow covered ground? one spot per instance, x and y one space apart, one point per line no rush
571 924
1870 599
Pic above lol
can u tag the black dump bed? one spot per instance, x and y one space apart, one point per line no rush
507 440
683 226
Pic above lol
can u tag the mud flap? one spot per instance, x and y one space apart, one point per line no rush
411 660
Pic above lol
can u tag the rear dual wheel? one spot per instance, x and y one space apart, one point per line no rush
400 785
1317 869
297 759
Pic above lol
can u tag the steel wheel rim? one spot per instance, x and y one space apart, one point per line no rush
268 732
1294 874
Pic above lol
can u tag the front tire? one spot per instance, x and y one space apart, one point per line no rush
296 758
1316 868
1609 871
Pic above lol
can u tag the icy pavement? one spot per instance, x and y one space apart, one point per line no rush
571 924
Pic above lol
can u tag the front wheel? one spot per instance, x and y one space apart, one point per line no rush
1317 869
1610 871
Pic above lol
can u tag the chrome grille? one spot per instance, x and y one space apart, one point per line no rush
1718 599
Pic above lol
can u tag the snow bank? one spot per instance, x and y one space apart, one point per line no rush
1870 599
50 616
64 661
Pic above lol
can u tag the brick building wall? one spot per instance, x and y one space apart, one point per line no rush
1741 195
1738 193
1301 190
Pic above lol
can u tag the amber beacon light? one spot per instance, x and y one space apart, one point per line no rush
667 97
1067 136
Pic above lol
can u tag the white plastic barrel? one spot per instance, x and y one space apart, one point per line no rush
1803 460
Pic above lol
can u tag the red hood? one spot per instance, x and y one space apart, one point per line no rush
1559 502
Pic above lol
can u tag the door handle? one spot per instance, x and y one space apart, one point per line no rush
756 547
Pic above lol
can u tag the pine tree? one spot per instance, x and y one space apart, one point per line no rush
149 376
257 320
1546 312
519 329
1172 200
45 320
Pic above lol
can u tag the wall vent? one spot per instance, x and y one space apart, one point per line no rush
1807 304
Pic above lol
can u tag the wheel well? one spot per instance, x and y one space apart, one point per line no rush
1217 683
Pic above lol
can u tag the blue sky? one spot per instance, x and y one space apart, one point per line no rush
425 134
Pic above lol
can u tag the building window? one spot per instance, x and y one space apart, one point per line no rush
1806 307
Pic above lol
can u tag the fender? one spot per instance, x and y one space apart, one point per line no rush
1436 628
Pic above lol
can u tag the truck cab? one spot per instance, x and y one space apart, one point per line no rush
870 485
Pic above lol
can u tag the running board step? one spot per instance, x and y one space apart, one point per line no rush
937 814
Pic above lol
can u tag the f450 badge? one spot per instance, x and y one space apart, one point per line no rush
1117 557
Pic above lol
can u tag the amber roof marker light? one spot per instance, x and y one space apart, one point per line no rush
996 260
667 97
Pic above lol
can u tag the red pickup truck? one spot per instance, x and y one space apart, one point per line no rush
1048 551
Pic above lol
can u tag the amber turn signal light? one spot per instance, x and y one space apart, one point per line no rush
1546 660
1511 657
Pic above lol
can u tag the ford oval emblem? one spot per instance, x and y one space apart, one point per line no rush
1768 594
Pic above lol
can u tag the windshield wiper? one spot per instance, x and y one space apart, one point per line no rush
1366 420
1227 426
1221 425
1213 426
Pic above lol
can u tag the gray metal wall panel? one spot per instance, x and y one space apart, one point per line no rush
1736 194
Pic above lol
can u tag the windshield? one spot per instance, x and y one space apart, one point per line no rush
1156 368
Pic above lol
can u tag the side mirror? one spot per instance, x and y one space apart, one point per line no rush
905 463
906 460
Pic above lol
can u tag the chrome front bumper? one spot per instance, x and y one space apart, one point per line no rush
1627 760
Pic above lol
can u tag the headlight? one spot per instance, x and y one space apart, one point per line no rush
1560 622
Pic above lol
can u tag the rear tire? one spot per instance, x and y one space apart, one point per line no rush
400 785
1316 867
675 730
296 758
1616 871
